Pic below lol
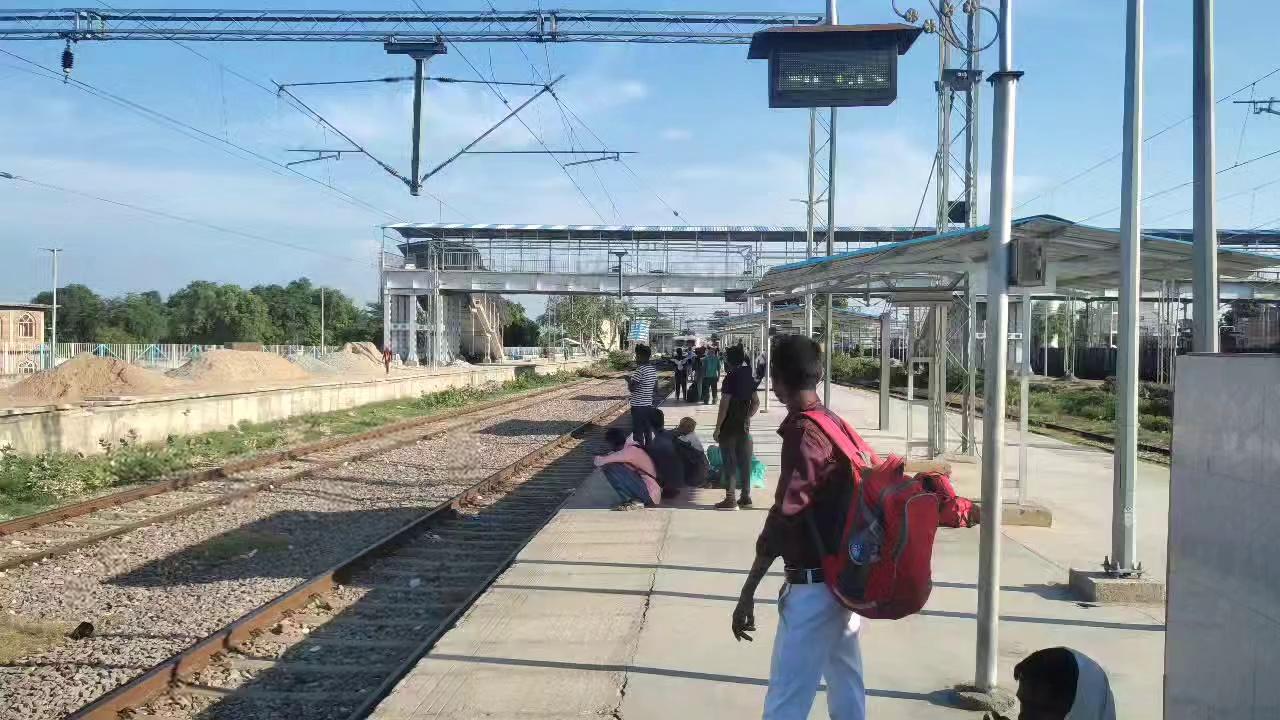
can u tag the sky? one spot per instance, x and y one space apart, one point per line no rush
707 144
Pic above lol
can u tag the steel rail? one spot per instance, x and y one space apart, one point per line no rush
159 678
433 427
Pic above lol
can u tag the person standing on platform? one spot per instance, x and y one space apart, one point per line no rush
733 428
817 637
386 358
695 375
710 377
641 383
682 373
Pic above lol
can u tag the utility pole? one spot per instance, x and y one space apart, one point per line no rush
1204 275
833 18
53 335
322 320
1003 138
1124 544
808 215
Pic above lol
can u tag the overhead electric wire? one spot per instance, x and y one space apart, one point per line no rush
193 132
407 78
358 148
1145 140
1179 186
1221 200
627 166
178 218
495 91
269 91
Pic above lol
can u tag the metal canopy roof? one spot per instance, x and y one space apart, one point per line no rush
709 233
793 316
1081 259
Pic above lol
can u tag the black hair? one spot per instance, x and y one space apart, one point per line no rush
735 355
1054 674
797 362
615 437
643 353
679 352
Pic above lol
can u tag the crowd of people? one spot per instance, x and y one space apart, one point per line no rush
817 637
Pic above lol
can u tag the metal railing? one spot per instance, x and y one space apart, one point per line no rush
27 358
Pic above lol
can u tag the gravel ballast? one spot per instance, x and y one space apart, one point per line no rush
155 590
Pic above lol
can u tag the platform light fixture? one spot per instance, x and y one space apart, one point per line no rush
833 65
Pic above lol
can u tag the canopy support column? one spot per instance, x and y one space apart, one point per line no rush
886 345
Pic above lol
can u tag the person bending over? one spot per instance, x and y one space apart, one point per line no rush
629 471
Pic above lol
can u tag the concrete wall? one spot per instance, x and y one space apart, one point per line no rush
78 427
1222 651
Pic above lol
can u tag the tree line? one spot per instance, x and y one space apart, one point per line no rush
213 314
209 313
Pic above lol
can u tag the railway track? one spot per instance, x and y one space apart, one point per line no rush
334 645
62 530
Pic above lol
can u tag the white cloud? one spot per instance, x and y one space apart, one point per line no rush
676 134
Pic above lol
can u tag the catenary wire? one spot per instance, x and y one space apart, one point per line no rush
178 218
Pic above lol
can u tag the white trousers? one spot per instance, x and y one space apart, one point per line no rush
817 639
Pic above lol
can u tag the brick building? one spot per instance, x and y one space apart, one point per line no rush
22 323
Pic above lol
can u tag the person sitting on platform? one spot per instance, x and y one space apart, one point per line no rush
1063 684
629 471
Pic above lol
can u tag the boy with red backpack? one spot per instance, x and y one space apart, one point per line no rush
854 533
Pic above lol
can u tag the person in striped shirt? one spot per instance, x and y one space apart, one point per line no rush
642 382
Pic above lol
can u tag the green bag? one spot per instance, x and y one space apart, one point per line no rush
716 460
757 472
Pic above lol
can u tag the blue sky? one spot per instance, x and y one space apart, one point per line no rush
697 115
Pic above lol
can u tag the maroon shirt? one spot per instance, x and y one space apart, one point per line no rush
812 487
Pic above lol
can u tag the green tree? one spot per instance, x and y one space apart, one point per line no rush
520 330
294 311
136 318
81 313
205 312
586 318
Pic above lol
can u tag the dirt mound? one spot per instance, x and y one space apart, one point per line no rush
313 365
356 358
88 376
239 367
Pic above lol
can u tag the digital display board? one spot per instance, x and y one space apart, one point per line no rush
834 65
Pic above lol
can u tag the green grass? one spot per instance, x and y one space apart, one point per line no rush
30 484
1089 407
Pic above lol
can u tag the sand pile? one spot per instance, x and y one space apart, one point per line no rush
239 367
363 358
87 376
313 365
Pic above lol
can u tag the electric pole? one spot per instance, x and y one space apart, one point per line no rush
322 320
53 335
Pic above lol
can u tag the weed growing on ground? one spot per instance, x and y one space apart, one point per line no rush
33 483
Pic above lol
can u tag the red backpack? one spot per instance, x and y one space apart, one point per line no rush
882 567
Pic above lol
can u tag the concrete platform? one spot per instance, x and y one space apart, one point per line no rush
627 615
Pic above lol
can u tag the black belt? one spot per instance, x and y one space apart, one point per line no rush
800 576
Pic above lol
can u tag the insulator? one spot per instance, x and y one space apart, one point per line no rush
68 60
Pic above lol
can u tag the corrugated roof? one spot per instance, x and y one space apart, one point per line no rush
1082 257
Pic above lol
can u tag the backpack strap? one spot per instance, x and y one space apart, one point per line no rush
846 439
